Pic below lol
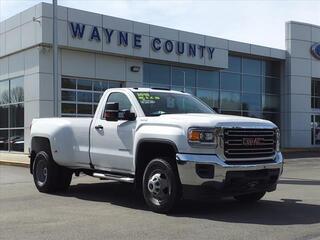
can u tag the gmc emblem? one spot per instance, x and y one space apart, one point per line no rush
252 141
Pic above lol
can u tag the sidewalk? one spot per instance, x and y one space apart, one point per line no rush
15 159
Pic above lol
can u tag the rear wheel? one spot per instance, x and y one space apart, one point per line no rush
161 185
48 176
251 197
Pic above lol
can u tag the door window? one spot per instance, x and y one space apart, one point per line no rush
122 99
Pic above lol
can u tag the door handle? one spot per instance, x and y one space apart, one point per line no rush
99 127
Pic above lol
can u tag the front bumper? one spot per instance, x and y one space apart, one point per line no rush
233 175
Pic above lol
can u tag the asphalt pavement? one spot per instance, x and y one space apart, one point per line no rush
94 209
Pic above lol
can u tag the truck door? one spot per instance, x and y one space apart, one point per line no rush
112 141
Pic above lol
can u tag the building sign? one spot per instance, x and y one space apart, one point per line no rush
315 50
156 44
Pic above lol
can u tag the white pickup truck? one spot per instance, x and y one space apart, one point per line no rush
164 142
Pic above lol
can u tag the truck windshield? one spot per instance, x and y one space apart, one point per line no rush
158 103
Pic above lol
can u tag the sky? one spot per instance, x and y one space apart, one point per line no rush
259 22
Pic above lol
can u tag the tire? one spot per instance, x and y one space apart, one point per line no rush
65 177
250 198
48 176
161 185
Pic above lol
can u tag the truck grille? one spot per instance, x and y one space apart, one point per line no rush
245 143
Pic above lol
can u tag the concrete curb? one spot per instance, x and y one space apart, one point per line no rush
14 163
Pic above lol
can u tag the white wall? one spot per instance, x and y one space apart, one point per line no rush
301 67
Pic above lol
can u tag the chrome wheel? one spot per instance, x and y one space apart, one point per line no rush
159 187
41 172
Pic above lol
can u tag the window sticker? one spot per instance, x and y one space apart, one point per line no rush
146 98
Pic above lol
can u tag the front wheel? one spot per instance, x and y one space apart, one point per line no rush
161 185
250 198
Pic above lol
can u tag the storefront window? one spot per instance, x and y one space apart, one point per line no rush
183 77
230 81
12 115
230 101
157 74
234 64
209 97
208 79
315 130
251 84
248 87
251 66
270 85
80 97
315 93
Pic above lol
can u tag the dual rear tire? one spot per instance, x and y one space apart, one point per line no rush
48 176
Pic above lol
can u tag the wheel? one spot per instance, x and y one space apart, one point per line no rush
161 185
48 176
251 197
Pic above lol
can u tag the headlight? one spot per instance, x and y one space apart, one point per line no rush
278 140
202 137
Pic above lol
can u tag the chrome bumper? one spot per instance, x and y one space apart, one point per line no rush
187 167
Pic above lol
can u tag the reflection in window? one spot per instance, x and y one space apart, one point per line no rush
273 117
208 79
257 81
4 92
16 140
100 86
315 129
230 81
315 93
236 113
4 143
183 77
271 85
251 66
157 74
68 83
84 96
4 119
230 101
122 99
84 109
16 90
16 115
80 97
251 102
251 84
253 114
12 114
271 68
209 97
84 84
68 96
270 103
68 108
234 64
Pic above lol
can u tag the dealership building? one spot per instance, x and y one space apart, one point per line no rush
97 52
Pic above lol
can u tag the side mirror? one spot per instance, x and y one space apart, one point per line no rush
111 112
127 115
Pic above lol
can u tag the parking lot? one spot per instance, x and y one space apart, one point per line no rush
94 209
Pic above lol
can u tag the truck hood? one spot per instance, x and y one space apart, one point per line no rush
213 120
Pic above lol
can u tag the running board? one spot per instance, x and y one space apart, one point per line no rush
113 177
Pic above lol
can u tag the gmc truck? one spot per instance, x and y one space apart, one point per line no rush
164 142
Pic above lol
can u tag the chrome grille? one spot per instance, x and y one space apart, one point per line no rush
244 143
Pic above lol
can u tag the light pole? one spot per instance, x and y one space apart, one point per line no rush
55 57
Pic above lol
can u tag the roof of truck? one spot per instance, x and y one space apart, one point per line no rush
154 90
